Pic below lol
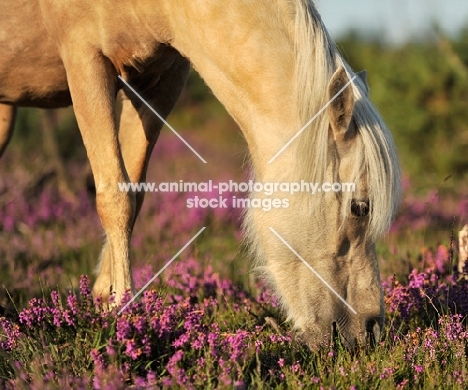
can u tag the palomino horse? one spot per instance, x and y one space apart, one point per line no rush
273 66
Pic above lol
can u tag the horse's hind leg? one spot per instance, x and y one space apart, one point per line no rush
139 126
93 83
51 125
138 132
7 123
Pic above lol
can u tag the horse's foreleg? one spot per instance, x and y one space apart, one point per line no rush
7 123
139 129
92 81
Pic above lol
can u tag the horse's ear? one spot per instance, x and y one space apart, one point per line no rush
363 76
340 110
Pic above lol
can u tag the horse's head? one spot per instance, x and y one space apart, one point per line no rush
320 257
348 218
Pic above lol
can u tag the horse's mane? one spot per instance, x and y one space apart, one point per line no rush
316 60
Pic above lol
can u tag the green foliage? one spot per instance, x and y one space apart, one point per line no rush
421 89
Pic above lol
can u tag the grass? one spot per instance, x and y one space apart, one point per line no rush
198 330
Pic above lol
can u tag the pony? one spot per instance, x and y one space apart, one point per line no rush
273 65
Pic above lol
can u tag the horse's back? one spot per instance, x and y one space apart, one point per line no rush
31 71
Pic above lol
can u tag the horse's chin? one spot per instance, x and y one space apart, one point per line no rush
335 338
315 340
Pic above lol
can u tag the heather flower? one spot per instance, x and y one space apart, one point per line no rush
418 369
85 292
240 385
258 345
132 350
452 327
123 328
97 358
110 350
177 372
386 373
109 378
199 341
10 334
296 367
236 344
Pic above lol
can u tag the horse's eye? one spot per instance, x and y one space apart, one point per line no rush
359 208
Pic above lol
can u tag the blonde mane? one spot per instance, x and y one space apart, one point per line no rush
316 60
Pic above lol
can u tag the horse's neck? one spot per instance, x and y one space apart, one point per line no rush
245 52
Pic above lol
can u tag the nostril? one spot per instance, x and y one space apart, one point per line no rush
373 329
335 332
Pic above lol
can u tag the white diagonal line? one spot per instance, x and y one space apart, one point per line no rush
313 118
162 119
161 270
314 271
